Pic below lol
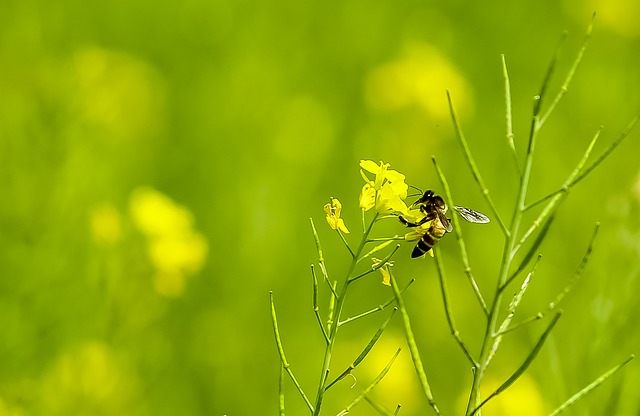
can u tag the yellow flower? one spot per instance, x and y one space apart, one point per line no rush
386 276
176 249
384 270
367 197
333 210
106 225
386 192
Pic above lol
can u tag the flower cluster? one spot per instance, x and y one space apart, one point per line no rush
386 192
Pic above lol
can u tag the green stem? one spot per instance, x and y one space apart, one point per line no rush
459 237
489 338
597 382
413 347
364 352
371 386
316 308
333 329
376 309
447 308
509 117
472 164
281 391
283 358
523 367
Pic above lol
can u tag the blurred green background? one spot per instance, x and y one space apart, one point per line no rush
160 161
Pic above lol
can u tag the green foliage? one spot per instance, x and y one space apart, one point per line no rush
239 119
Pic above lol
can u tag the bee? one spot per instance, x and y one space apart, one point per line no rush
434 209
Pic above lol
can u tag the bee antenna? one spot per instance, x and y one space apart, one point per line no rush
418 193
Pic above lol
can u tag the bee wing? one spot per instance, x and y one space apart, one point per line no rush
472 215
445 222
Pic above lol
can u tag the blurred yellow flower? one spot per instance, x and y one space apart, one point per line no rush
386 192
418 78
523 398
175 249
105 224
619 16
90 379
119 92
333 210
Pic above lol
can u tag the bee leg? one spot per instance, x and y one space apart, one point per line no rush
413 224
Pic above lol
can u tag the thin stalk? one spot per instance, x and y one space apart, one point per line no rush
520 324
323 268
374 383
376 309
379 408
333 329
505 264
364 352
332 306
508 114
346 244
413 347
281 391
283 358
511 310
609 150
578 273
316 308
565 86
458 231
507 253
552 205
523 367
588 389
565 291
472 164
385 243
375 267
447 308
532 251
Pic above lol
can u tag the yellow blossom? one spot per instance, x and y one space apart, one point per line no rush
386 276
367 197
175 248
386 192
384 270
106 225
333 210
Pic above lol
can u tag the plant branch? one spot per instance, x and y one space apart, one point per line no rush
316 308
283 358
523 367
375 267
588 389
508 114
553 205
413 347
472 164
364 352
335 317
458 230
376 309
447 308
571 73
374 383
570 285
